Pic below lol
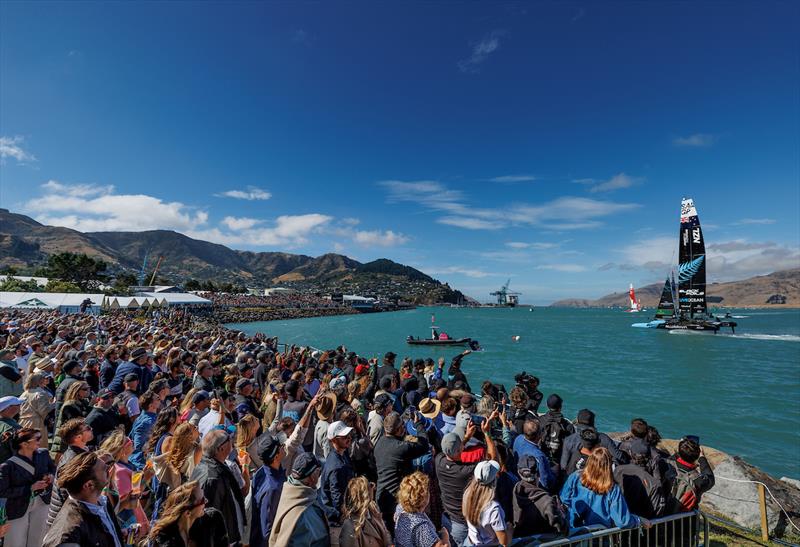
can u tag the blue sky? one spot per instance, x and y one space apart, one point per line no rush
549 143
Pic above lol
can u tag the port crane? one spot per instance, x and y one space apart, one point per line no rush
506 297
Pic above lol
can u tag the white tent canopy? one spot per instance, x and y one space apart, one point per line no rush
177 298
63 302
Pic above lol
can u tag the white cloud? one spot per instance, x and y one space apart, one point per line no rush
11 147
616 182
251 194
470 223
350 221
567 268
698 140
480 52
449 270
91 208
727 260
513 178
757 221
77 190
240 223
537 246
566 213
377 238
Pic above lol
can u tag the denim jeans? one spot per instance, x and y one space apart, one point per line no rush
458 533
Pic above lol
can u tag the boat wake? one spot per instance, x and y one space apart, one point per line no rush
748 336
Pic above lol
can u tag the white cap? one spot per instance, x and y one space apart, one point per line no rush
336 429
486 471
8 401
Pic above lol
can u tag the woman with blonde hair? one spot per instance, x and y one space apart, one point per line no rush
76 405
593 497
183 507
413 528
486 520
37 404
129 509
246 439
363 525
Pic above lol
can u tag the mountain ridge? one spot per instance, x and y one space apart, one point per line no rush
26 244
751 292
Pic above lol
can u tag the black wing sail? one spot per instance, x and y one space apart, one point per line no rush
666 305
691 263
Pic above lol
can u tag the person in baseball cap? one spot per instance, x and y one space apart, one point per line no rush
485 517
304 466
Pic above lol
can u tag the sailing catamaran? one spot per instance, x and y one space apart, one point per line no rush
692 310
635 306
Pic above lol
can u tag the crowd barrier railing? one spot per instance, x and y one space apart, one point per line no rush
681 530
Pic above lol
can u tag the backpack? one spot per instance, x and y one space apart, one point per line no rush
553 439
683 497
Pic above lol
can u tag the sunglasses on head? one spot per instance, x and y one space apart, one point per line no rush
200 502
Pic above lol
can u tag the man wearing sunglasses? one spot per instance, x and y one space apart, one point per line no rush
218 482
87 517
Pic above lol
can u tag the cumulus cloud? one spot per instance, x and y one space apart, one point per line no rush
92 208
240 223
616 182
480 52
513 178
726 260
698 140
378 238
11 147
251 194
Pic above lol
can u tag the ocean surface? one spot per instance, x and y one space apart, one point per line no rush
740 393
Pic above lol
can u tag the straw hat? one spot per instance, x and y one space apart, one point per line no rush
430 408
326 406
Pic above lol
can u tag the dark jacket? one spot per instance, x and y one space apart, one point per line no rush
58 495
16 481
102 422
145 377
223 493
394 460
573 443
244 406
555 429
642 491
536 511
203 383
62 388
107 372
76 525
207 531
336 473
267 486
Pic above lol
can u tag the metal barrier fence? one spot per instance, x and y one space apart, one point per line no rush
682 530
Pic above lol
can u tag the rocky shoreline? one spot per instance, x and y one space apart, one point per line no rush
735 494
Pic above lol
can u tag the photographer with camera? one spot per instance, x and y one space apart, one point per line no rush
530 384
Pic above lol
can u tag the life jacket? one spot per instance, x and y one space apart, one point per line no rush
684 496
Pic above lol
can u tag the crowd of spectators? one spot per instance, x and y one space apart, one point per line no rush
171 430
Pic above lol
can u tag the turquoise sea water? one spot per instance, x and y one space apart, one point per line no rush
740 393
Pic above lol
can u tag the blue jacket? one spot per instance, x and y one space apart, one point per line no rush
140 433
587 507
267 487
145 377
336 473
523 447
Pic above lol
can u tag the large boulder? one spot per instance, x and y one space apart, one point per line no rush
735 496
